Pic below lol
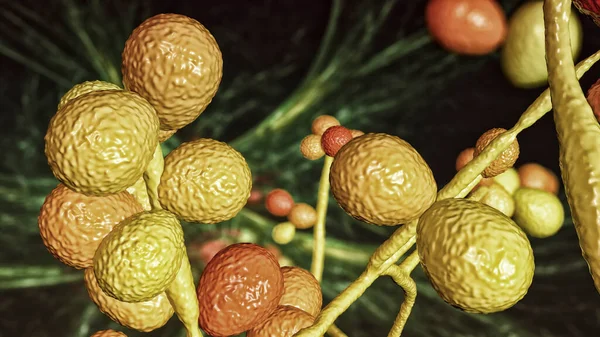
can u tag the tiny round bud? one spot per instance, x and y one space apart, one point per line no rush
334 138
303 216
464 157
279 202
311 147
356 133
506 159
536 176
322 123
255 197
283 233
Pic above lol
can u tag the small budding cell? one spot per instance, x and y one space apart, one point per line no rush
506 159
284 322
283 233
279 202
303 216
536 176
311 147
539 213
510 180
322 123
239 289
301 290
334 138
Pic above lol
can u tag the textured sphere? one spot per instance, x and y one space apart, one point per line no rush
303 216
510 180
497 197
536 176
283 233
471 27
279 202
239 288
72 225
205 181
140 257
539 213
142 316
476 258
108 333
382 180
100 143
301 290
334 138
284 322
523 57
322 123
311 148
85 88
504 161
175 63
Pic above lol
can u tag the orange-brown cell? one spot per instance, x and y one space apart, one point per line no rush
72 225
174 62
322 123
301 290
334 138
239 288
536 176
311 148
279 202
506 159
303 216
284 322
471 27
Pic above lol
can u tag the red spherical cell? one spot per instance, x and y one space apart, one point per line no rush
334 138
470 27
239 288
590 8
279 202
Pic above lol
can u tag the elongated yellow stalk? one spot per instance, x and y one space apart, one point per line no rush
152 177
318 255
404 237
401 275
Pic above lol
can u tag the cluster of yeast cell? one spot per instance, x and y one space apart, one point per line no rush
244 289
116 212
528 194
